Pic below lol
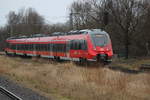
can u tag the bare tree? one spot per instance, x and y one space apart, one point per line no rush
126 14
25 22
80 14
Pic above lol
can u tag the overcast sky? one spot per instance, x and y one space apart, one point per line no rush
54 11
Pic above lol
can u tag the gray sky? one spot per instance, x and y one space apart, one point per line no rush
53 11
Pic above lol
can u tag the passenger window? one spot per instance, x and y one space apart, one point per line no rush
85 45
80 44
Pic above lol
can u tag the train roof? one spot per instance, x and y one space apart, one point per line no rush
93 31
73 32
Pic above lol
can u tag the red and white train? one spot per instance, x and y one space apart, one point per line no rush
82 45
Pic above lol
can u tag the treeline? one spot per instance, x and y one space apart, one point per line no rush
127 22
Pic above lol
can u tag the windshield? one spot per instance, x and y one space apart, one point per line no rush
100 39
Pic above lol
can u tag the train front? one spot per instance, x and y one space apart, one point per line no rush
102 46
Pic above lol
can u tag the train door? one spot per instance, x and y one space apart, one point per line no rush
78 48
55 49
74 49
67 49
84 48
34 49
50 47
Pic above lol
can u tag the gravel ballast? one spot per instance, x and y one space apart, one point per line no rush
20 91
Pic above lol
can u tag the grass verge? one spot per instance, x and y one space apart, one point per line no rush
67 81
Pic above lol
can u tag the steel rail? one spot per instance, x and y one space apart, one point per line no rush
9 94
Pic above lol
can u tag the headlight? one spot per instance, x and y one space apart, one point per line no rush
107 49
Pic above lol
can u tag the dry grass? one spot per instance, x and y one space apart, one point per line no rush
67 81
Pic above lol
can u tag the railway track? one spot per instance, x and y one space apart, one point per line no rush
8 94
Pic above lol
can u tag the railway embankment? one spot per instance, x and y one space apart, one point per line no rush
121 80
9 90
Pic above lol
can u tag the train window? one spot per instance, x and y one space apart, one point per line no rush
76 44
68 46
61 47
84 45
17 47
31 47
64 47
27 46
46 46
73 44
12 45
100 40
53 48
24 46
20 46
49 47
43 47
80 45
36 47
40 47
58 47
